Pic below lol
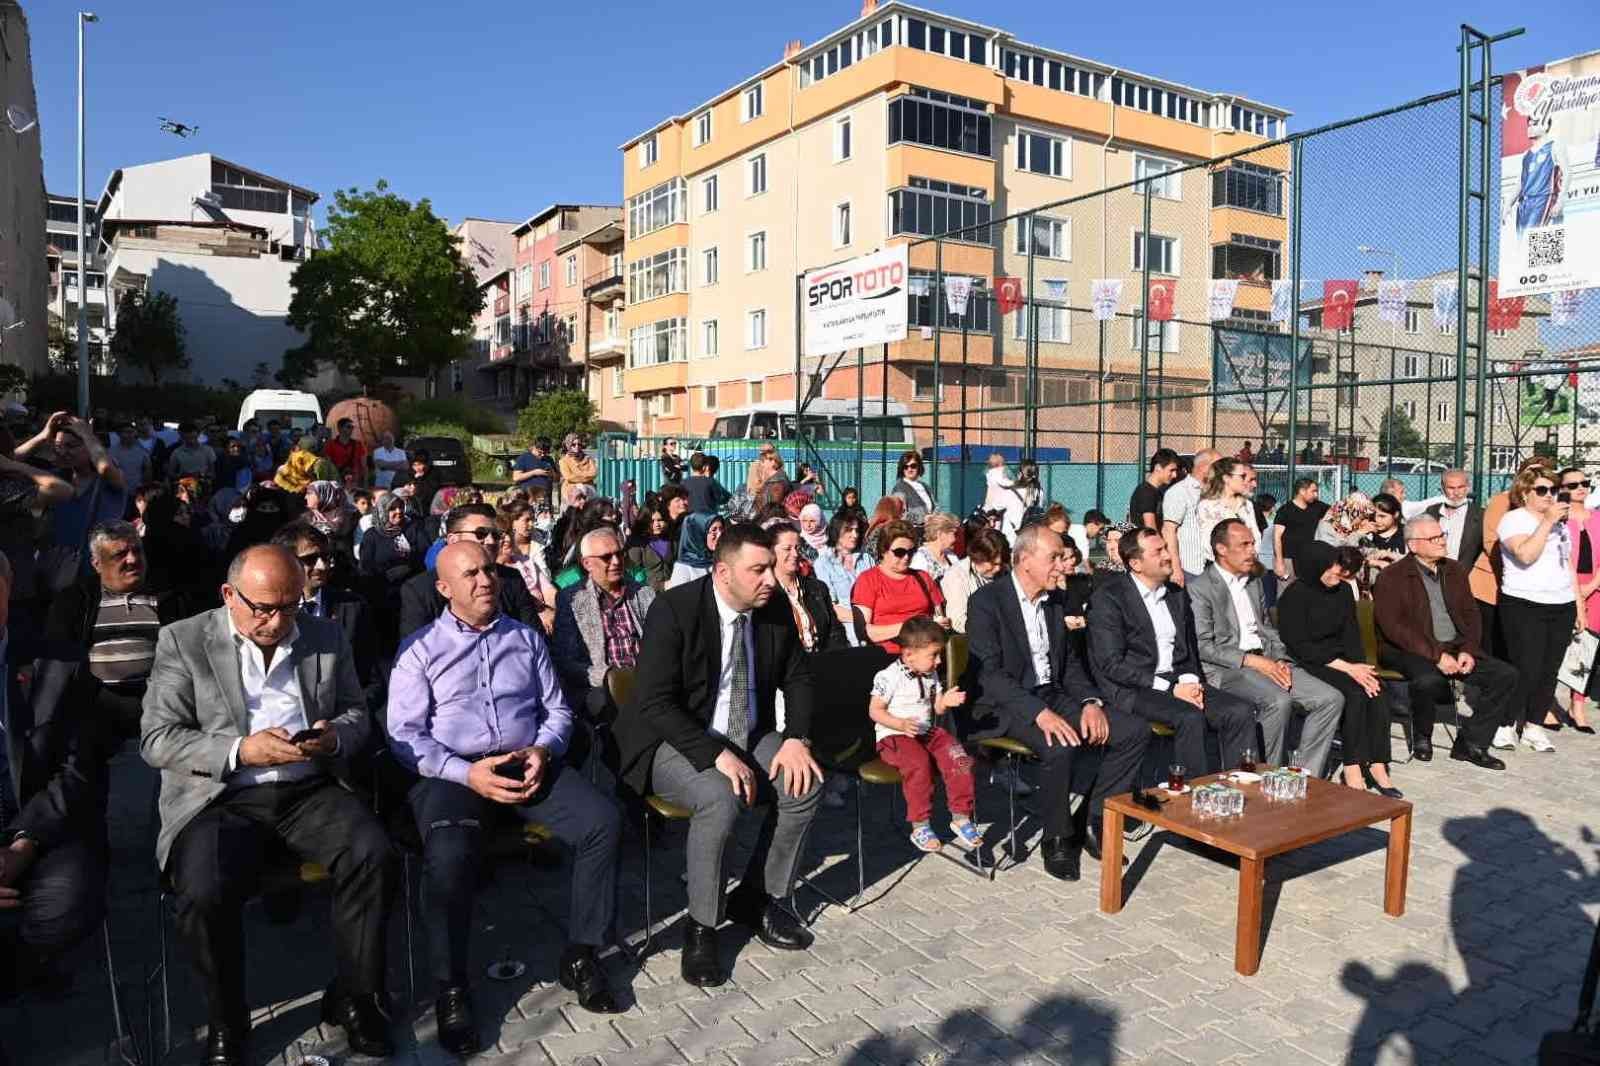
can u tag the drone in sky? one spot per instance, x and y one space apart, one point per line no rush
180 129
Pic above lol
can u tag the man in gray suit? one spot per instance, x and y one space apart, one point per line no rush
250 712
1245 656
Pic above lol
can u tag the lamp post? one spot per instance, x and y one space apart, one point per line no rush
83 240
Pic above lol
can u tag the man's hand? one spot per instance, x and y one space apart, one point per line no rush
740 777
1190 692
14 862
1096 729
270 747
1076 621
1056 729
483 779
1448 664
325 745
1279 673
842 612
800 771
1465 662
538 762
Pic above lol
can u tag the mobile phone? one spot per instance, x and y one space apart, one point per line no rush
1563 497
1145 800
514 769
305 735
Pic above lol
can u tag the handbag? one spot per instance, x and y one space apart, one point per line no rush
1578 661
1577 1046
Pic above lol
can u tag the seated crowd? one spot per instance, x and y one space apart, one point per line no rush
299 637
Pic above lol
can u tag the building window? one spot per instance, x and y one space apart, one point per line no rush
930 208
1447 365
709 338
658 275
1413 320
657 208
1163 254
1055 324
841 139
658 342
524 283
758 391
1052 237
1441 411
941 120
752 103
1410 365
572 269
1449 327
616 381
648 152
1163 335
1252 121
841 225
708 262
1040 153
702 128
756 329
1159 174
928 303
708 398
1409 407
612 319
1247 257
708 195
544 275
1246 185
756 252
924 384
756 175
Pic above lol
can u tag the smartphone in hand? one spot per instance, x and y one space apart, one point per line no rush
304 735
513 769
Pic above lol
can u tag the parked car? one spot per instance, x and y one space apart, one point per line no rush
450 459
296 410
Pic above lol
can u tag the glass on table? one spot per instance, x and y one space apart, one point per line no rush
1175 777
1297 762
1247 760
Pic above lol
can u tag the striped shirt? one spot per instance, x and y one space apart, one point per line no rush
1180 506
123 648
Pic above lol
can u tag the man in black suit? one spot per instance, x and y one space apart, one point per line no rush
701 731
1028 683
1460 517
420 602
1143 650
323 600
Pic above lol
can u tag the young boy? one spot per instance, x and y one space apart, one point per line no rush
905 698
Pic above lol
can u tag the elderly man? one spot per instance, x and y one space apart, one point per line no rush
420 600
599 623
249 715
1244 655
1031 686
1460 518
476 713
702 732
1181 529
1430 630
388 461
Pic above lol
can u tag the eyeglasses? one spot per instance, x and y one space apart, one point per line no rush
263 611
482 533
1542 490
606 557
1437 538
901 553
1576 484
309 561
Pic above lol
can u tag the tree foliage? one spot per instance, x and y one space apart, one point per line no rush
1398 436
391 292
149 334
557 413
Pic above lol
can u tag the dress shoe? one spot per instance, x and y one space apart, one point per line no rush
773 924
1091 844
364 1021
1476 756
1422 750
1390 791
225 1046
1061 859
458 1029
580 972
701 964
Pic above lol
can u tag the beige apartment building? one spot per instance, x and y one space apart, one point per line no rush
907 123
25 276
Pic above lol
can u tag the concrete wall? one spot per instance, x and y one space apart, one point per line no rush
24 282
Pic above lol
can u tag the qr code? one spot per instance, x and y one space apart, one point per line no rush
1547 247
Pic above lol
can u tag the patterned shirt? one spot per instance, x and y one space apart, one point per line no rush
906 694
616 620
123 648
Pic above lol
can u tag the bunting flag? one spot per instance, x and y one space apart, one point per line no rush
957 290
1446 301
1392 301
1504 313
1055 288
1220 299
1339 304
1106 293
1282 293
1008 294
1564 305
1163 295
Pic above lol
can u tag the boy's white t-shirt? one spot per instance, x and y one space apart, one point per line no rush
908 695
1549 578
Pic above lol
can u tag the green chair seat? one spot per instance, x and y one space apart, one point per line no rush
1161 729
666 808
878 772
312 873
534 833
1007 745
1390 675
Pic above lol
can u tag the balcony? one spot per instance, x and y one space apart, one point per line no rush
604 350
502 305
603 282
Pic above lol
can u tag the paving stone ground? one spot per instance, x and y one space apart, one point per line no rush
941 967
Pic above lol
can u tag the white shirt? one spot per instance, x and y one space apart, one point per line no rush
719 714
1549 578
905 695
1038 636
272 697
996 482
1243 609
1454 522
1166 632
385 478
1179 507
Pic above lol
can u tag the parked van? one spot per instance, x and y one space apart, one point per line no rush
824 420
297 410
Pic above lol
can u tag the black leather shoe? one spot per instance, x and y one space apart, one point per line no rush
458 1029
1091 845
1061 857
773 924
1390 791
580 972
225 1046
701 964
364 1021
1476 756
1422 751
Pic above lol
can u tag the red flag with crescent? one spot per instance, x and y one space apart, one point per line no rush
1008 293
1504 313
1338 304
1163 295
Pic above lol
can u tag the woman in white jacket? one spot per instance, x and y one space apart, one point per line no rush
988 556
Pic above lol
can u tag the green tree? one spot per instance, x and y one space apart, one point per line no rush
149 334
1397 435
557 413
391 290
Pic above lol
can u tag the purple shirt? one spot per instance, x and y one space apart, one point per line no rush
458 693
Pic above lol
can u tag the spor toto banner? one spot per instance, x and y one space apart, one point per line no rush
856 303
1550 178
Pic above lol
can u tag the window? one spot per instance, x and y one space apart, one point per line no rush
1246 185
1052 237
841 225
1413 320
708 264
708 398
1247 257
658 275
1055 324
1410 365
1499 333
756 175
708 338
1441 411
613 319
572 269
1449 326
1163 254
758 390
658 342
702 128
616 381
841 139
1005 388
756 252
524 282
1040 153
755 330
708 195
1169 186
927 301
657 208
648 151
931 207
1447 365
1163 102
1163 335
941 120
925 385
1252 121
1345 388
1409 407
752 103
544 275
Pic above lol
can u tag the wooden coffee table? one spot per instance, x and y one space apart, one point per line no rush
1266 828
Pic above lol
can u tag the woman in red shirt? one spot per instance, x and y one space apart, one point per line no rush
892 592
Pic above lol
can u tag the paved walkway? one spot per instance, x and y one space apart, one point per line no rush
942 967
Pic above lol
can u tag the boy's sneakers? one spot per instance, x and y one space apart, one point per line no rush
966 833
925 839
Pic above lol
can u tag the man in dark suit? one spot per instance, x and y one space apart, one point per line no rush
1144 652
420 602
1027 683
701 731
320 599
1460 518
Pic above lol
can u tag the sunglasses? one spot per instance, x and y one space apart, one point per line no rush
606 557
482 533
1576 484
1542 490
311 560
901 553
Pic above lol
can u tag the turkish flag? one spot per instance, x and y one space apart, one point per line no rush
1338 304
1506 313
1008 292
1163 294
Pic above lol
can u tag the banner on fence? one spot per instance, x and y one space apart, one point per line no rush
1163 295
1550 178
1282 294
1257 362
1392 301
1106 293
1446 303
857 303
1547 394
1008 294
957 291
1339 303
1220 299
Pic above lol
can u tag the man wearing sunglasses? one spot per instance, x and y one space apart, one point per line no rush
322 599
250 713
420 602
599 622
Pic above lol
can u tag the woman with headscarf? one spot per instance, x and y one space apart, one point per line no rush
576 468
696 545
328 509
234 469
813 532
1111 565
267 509
177 559
1346 522
1317 619
393 548
298 470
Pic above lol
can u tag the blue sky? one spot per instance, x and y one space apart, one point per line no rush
495 109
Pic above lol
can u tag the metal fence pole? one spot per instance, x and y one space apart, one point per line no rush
1030 356
1144 331
965 385
938 378
1296 192
1100 427
861 393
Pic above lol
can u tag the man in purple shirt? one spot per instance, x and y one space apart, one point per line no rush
476 712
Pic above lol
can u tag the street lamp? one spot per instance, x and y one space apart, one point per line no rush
83 240
1367 249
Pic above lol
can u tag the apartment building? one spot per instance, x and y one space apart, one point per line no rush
61 258
24 276
489 248
547 297
907 123
600 336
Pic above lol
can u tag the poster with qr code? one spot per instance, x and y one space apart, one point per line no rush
1549 225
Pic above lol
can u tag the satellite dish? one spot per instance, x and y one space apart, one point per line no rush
20 119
